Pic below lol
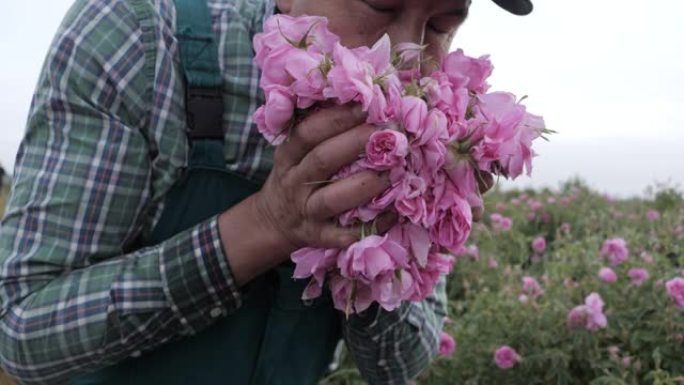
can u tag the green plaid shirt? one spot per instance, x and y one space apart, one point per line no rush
105 140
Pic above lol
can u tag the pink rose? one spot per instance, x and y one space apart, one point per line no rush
461 176
539 244
273 72
389 289
638 275
414 112
615 250
305 32
679 231
447 345
565 227
350 79
675 289
506 357
408 54
506 224
532 287
349 296
590 315
426 278
505 134
577 317
652 215
454 223
521 159
595 317
453 101
273 118
378 108
356 72
434 128
473 252
313 262
304 69
413 238
386 149
410 202
606 274
370 257
468 72
535 205
492 263
647 258
427 160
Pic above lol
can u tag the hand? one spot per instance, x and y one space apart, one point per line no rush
297 205
298 201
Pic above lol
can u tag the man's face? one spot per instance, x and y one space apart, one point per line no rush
363 22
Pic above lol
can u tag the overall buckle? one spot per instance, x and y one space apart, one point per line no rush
204 112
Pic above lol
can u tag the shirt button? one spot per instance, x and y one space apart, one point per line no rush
215 312
135 354
382 363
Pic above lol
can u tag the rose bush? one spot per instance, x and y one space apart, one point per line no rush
591 324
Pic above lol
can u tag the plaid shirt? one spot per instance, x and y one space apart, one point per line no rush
105 140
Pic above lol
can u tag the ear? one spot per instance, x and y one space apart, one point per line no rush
284 6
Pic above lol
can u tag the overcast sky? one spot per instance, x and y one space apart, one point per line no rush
604 73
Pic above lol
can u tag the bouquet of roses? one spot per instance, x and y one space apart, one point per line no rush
434 134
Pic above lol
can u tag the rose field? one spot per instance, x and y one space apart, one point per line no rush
548 283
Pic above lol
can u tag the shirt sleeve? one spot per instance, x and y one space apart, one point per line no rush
70 298
393 348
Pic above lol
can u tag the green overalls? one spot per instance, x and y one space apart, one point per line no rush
274 338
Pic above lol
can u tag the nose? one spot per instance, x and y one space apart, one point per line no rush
408 27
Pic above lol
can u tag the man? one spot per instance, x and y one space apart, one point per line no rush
115 269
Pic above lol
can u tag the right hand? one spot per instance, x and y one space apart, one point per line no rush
297 202
297 207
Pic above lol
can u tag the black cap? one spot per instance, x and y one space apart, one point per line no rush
516 7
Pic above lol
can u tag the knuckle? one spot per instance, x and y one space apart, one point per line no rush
318 162
302 134
372 182
325 209
316 206
362 135
338 122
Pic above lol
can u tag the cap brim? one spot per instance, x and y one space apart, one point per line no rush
516 7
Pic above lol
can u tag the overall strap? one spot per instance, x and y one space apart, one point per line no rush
199 59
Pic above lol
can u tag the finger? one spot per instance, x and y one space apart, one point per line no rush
346 194
319 126
332 236
485 181
329 157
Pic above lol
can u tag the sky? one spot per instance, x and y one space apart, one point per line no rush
604 74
